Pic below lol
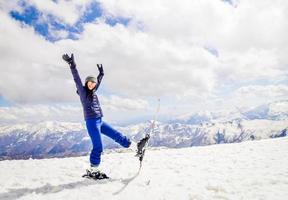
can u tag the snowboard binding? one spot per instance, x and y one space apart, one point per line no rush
95 175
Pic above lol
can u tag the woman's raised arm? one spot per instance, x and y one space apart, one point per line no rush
100 75
77 79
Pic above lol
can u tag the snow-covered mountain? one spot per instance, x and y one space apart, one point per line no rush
205 128
272 111
42 139
248 170
45 139
49 139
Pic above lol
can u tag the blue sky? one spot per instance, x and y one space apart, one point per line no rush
34 17
3 102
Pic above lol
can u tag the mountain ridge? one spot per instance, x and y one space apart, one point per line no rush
61 139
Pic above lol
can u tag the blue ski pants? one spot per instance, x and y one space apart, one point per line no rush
95 127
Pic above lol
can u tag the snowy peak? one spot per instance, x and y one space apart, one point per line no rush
42 128
52 138
278 110
272 111
195 118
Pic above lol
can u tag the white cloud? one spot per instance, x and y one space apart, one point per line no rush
250 65
254 24
166 58
117 103
71 112
30 67
58 34
38 113
135 61
254 95
264 92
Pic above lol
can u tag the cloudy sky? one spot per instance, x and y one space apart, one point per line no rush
193 55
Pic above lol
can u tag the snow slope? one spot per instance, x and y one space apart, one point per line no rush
248 170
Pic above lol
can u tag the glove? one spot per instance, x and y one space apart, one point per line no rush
69 60
100 68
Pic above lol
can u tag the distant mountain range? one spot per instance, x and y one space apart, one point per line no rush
61 139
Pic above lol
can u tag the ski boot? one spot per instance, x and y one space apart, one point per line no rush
141 147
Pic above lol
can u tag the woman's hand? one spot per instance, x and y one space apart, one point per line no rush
100 68
69 60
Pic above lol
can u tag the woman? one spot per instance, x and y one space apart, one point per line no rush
93 116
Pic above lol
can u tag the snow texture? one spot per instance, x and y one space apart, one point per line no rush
247 170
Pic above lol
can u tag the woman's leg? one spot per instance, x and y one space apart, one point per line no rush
93 127
107 130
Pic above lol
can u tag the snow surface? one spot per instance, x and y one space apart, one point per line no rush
248 170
